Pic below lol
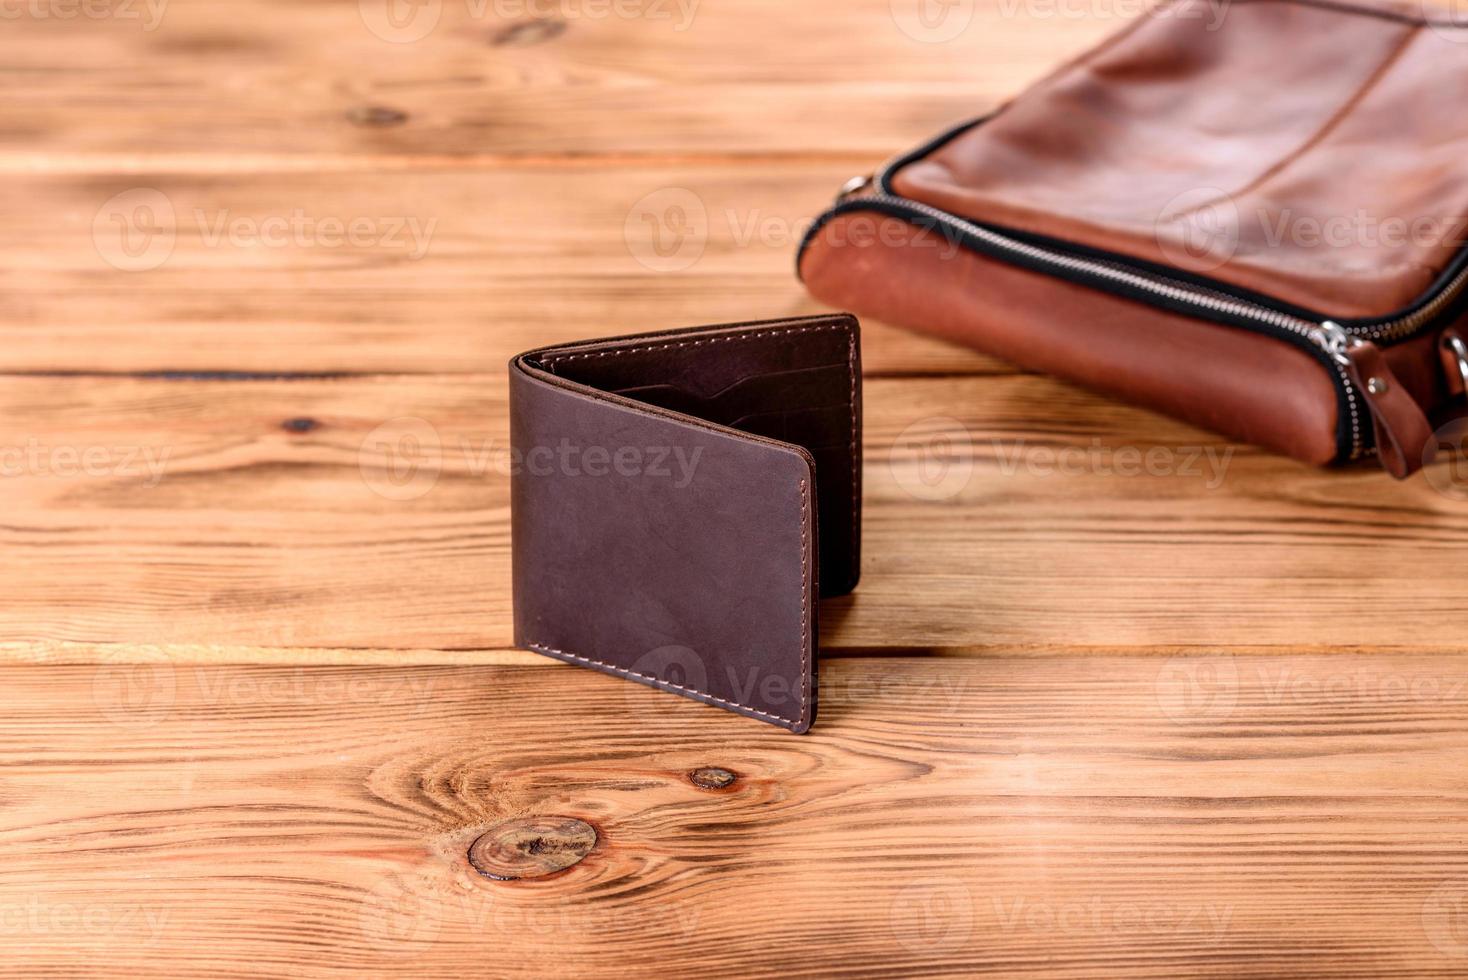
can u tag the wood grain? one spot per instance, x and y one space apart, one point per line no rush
1070 817
253 84
447 271
1000 513
1114 699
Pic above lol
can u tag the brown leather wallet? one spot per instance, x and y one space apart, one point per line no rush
680 500
1217 213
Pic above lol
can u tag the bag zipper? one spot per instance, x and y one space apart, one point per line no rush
1327 339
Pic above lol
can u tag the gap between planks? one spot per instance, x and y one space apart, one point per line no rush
62 653
83 164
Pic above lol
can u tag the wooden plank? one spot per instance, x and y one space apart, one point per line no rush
1001 513
1075 817
392 272
253 84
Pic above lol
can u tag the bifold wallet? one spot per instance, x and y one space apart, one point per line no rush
680 500
1250 214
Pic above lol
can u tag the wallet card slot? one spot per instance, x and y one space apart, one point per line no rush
744 420
750 395
816 408
760 378
812 429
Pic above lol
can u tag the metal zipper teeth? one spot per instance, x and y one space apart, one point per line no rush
1408 325
1147 284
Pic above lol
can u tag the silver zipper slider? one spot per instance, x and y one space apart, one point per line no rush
1336 342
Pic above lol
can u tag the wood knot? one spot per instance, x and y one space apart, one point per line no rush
712 777
529 32
531 847
300 424
376 115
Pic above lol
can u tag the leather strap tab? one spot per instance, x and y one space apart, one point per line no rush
1402 429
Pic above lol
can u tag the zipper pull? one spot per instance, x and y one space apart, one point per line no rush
855 186
1402 429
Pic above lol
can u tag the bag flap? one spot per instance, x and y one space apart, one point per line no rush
1307 151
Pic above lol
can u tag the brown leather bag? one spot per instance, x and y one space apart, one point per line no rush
1251 215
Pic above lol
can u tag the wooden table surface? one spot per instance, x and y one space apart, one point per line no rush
1114 698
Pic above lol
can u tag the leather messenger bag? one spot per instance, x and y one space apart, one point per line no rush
1247 214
